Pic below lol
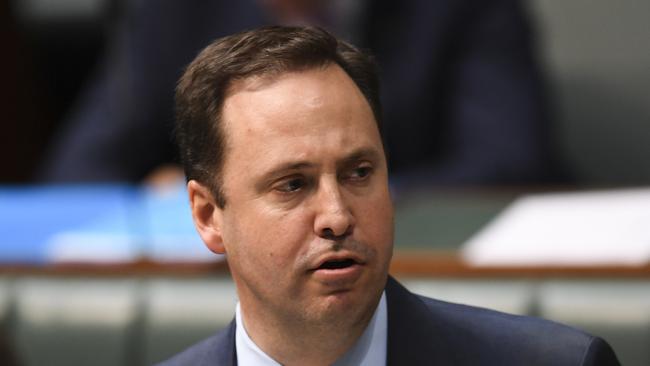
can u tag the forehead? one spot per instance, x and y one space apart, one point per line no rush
290 91
295 109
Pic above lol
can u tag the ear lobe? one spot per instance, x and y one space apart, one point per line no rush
207 216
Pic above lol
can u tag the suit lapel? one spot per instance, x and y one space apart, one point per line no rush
414 334
222 351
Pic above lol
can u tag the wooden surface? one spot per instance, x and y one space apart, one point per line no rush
428 264
449 264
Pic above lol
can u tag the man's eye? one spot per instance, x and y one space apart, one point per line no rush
360 173
291 185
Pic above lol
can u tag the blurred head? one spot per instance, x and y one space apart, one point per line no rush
288 175
264 52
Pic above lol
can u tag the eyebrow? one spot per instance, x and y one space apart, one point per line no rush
283 168
280 170
360 154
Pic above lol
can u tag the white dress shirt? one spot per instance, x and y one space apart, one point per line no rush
370 349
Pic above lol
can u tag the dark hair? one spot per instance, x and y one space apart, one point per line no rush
267 51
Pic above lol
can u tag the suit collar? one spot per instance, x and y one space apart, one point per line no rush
222 350
414 333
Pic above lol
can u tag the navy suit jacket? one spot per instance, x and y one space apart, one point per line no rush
424 331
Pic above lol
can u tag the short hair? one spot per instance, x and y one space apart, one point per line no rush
267 51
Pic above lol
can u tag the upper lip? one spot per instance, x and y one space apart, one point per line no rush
338 256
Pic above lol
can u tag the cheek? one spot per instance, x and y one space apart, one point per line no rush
289 233
267 237
376 220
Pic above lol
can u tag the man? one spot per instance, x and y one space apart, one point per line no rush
279 134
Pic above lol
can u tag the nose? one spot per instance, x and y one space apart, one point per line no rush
334 219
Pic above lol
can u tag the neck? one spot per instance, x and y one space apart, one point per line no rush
297 342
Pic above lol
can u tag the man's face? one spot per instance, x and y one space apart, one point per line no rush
308 223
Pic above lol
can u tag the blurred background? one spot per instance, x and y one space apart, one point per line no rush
484 105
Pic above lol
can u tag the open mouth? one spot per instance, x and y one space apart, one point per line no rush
337 264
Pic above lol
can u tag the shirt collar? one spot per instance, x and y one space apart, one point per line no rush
370 349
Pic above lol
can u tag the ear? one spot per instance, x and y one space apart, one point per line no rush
207 216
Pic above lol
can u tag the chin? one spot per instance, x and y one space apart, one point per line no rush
339 310
361 298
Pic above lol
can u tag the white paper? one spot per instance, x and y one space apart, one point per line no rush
586 228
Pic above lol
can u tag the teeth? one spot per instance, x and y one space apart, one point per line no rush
344 263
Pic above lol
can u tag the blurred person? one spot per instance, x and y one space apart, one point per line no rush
280 135
462 92
7 354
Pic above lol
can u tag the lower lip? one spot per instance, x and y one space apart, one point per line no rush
340 276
